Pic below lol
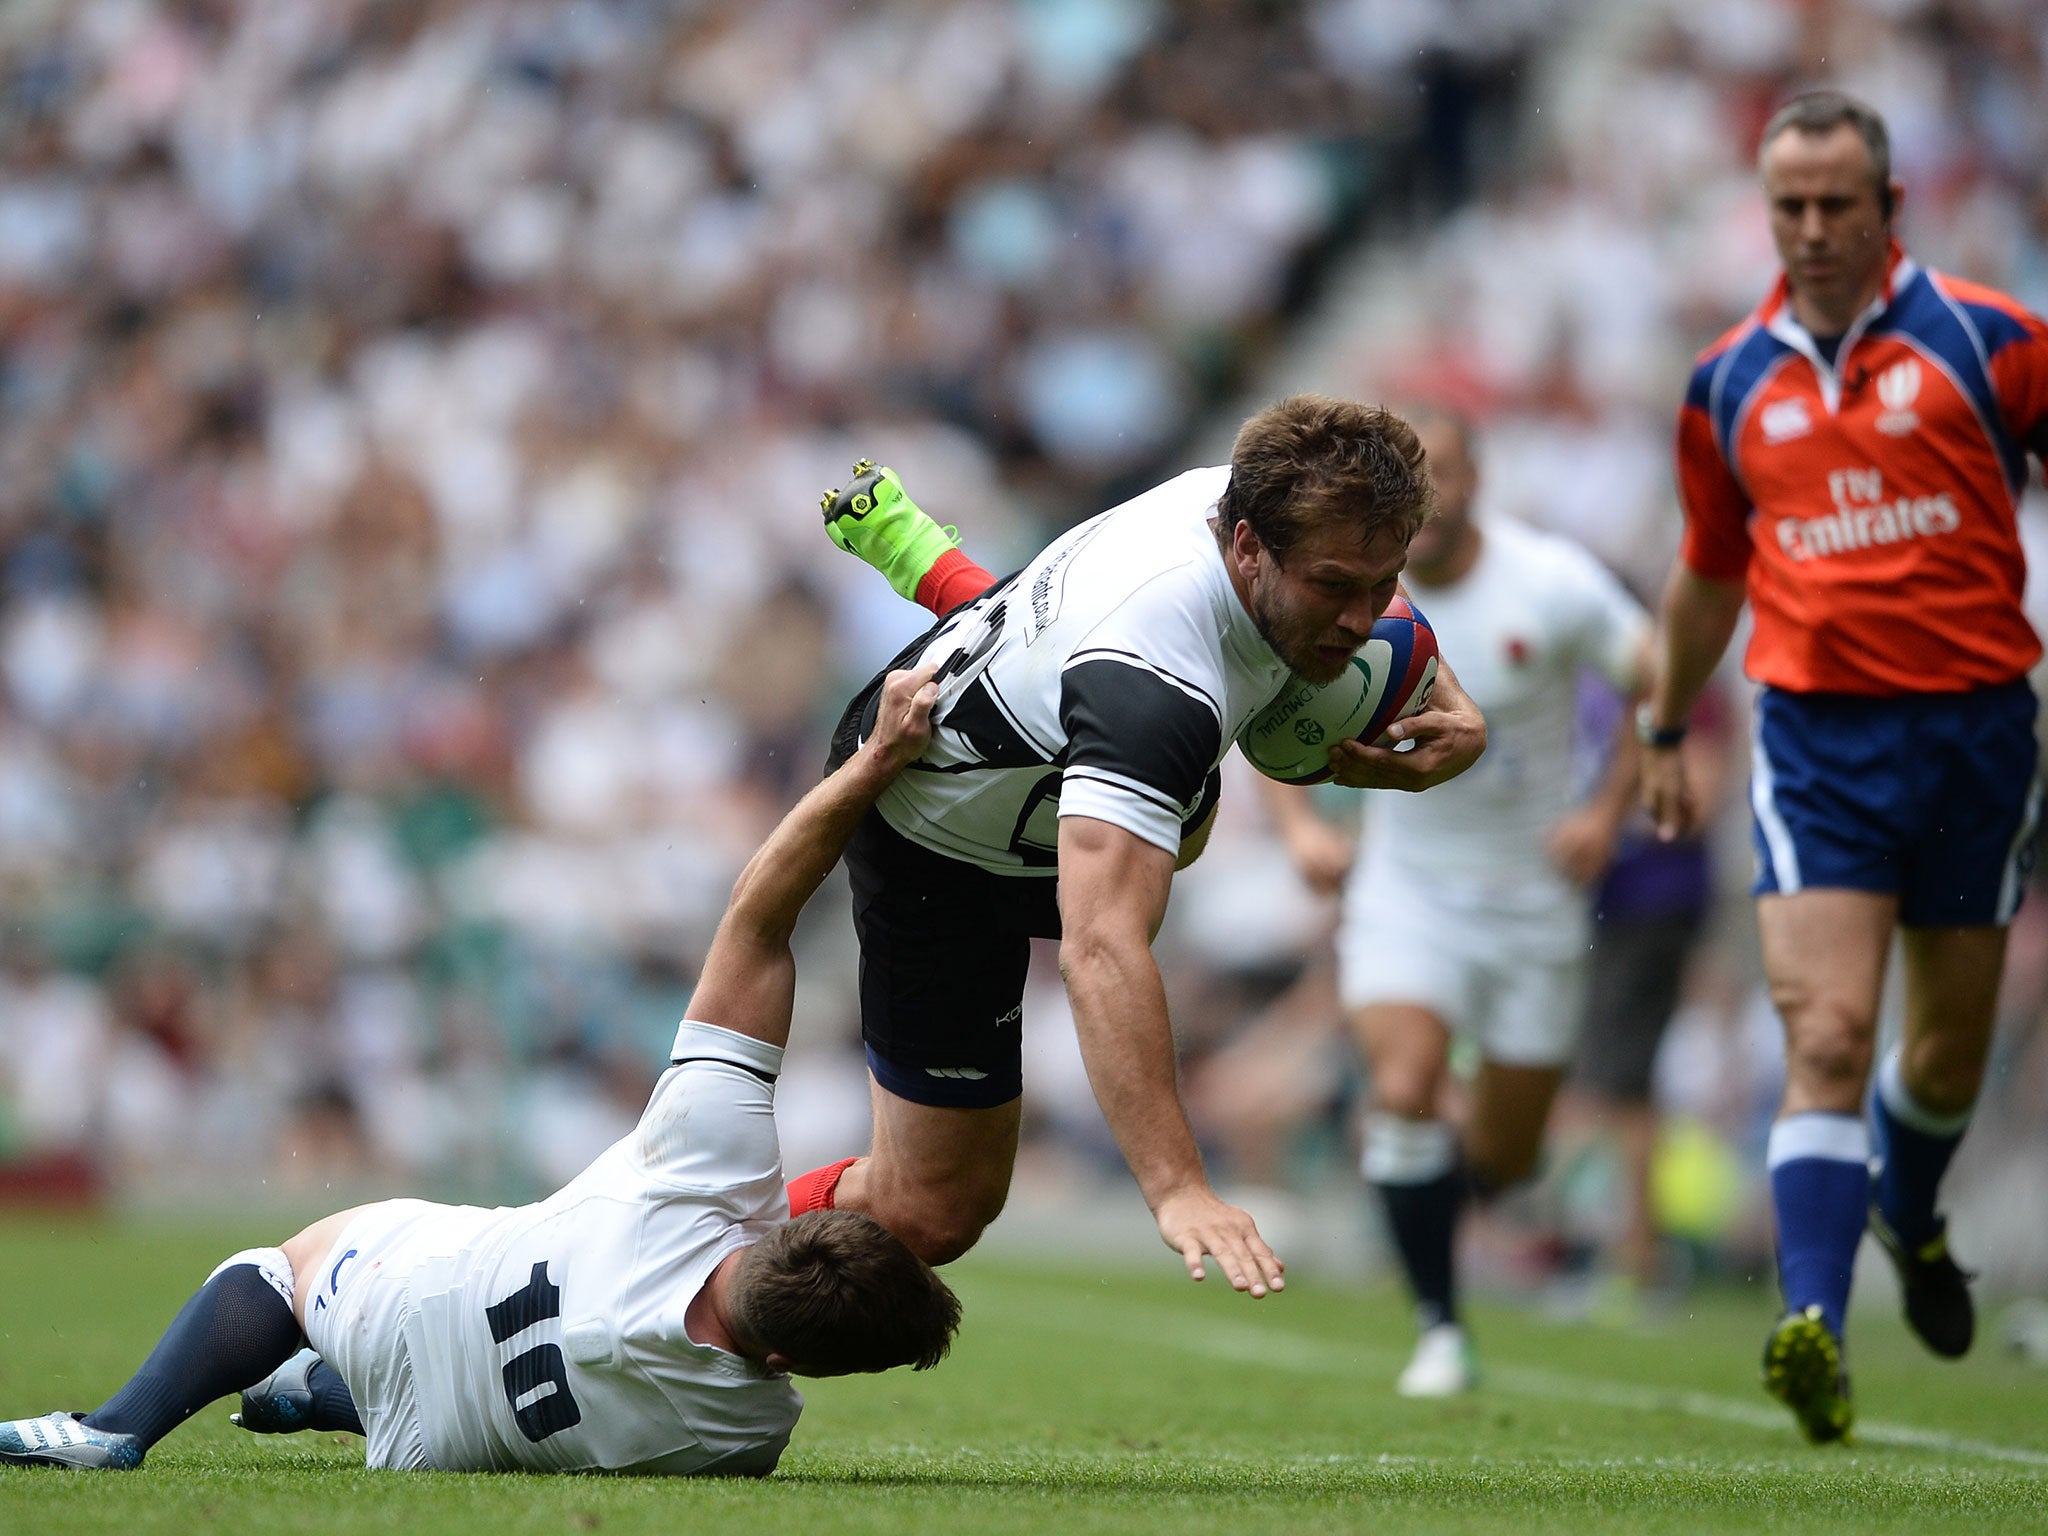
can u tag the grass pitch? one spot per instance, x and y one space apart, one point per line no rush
1079 1401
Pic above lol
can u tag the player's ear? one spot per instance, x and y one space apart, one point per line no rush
1891 198
1245 547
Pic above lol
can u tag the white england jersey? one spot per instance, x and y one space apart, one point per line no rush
1106 679
1531 613
550 1337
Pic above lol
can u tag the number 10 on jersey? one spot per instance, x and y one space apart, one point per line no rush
540 1370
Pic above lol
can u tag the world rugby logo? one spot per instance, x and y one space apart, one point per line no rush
1897 388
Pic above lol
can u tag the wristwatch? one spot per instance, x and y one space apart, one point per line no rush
1651 734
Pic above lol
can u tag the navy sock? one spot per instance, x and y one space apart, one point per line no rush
234 1332
1913 1146
1423 1220
1820 1195
333 1405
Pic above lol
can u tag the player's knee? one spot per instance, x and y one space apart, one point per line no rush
1407 1089
940 1237
938 1225
1944 1075
1828 1055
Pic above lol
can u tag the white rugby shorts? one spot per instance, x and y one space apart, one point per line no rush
360 1305
1504 969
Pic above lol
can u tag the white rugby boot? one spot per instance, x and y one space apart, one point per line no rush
1442 1366
65 1440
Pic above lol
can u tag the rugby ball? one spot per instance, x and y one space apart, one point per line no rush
1390 678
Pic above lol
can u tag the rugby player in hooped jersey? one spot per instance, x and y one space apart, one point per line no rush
1086 703
1850 461
645 1318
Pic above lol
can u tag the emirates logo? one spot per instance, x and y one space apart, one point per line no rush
1897 388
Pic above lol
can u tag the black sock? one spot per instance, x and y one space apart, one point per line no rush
333 1406
234 1332
1423 1219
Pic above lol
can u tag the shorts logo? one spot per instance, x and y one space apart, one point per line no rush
1784 420
1897 388
963 1074
1011 1017
334 1280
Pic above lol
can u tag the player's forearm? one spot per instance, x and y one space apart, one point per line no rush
788 868
1126 1041
1113 890
1615 795
800 852
1698 620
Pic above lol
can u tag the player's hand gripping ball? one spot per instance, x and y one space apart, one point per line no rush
1389 679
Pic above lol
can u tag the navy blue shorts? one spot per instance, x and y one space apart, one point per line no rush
1928 797
944 947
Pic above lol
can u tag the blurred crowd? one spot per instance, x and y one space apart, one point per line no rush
412 416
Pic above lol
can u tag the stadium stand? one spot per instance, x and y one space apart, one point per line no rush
411 420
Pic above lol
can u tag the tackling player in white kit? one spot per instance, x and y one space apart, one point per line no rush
646 1318
1466 911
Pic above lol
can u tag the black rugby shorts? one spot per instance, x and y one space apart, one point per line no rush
944 947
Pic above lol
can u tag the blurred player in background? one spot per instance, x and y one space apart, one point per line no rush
1649 915
1087 703
1465 913
643 1319
1850 460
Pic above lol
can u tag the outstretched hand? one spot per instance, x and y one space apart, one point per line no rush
903 721
1196 1222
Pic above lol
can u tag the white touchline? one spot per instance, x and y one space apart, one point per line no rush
1255 1344
1532 1381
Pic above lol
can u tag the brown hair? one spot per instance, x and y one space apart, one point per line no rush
1309 459
836 1292
1821 112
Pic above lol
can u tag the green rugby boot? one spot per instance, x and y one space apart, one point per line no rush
875 518
1803 1370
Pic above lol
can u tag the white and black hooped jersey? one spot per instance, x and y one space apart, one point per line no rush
1106 679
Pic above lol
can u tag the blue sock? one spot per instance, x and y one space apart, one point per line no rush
1820 1194
1914 1146
334 1407
233 1333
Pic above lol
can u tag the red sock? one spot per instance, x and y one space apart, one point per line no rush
813 1191
952 580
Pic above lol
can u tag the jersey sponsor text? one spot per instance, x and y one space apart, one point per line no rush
1864 517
